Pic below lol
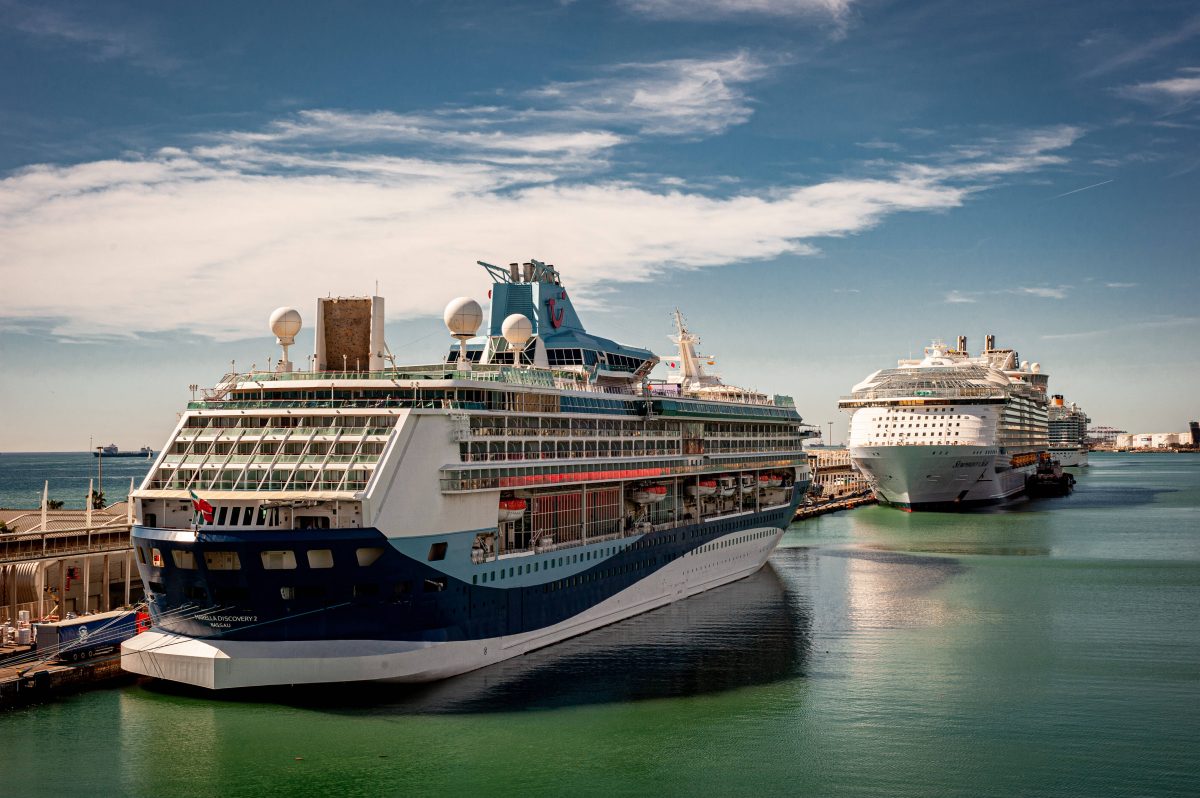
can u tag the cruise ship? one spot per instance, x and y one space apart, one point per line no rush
1067 425
368 521
950 431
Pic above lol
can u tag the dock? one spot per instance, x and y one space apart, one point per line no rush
813 510
33 681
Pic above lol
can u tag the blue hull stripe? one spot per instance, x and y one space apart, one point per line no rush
397 597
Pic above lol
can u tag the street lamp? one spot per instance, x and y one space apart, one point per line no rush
829 440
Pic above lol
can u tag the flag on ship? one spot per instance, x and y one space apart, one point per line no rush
201 506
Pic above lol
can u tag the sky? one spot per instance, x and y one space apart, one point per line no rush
821 186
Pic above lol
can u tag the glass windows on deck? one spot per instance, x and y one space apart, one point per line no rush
291 452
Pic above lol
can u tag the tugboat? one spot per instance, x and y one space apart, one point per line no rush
1049 479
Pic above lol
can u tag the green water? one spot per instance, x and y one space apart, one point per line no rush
1049 650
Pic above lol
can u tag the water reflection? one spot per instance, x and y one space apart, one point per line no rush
752 632
961 548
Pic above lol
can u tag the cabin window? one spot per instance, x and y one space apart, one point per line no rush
156 587
367 556
248 516
150 519
184 559
320 558
141 555
221 513
283 560
222 560
312 522
437 551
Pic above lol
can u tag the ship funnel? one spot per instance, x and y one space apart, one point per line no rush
989 343
1058 400
962 344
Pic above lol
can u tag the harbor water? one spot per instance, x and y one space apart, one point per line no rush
1049 649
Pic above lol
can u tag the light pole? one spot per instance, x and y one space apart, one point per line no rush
829 440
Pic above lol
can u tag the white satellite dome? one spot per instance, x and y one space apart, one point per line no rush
517 329
285 323
463 316
1036 368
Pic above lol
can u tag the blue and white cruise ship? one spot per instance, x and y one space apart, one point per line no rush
364 520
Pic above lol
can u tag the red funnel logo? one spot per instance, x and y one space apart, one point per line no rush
556 317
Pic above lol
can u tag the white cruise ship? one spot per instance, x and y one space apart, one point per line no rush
950 431
1068 433
364 521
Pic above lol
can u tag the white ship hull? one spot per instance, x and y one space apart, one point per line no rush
223 664
1070 457
940 477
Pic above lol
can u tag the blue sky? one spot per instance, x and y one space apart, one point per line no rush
820 185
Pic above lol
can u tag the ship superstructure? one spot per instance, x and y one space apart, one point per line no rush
1067 424
950 430
370 521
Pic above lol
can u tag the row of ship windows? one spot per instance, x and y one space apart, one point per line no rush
910 426
346 422
491 576
283 559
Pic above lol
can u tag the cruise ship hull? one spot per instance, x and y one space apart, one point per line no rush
409 633
943 478
1070 457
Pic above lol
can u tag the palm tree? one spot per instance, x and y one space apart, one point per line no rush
53 504
98 500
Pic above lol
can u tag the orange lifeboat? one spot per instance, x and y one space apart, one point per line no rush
769 480
649 494
705 487
512 509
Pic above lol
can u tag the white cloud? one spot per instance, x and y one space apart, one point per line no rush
958 297
130 40
1181 90
675 97
1045 292
1164 322
208 237
699 10
1120 285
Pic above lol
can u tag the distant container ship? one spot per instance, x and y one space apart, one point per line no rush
112 451
950 431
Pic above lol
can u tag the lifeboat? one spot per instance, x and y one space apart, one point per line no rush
511 509
649 494
706 487
727 486
769 480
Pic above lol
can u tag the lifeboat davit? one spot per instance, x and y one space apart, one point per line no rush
727 486
649 494
512 509
748 484
706 487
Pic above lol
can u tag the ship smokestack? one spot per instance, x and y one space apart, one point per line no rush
989 343
962 344
1058 400
514 272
